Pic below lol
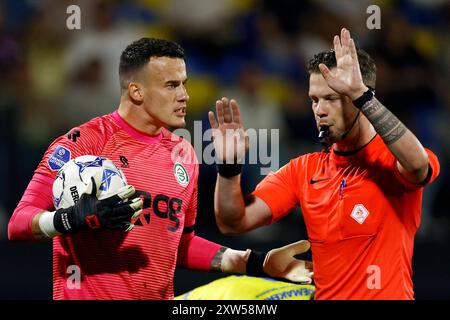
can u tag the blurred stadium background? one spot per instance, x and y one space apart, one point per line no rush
52 79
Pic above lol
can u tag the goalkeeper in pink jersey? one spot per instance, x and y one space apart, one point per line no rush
157 209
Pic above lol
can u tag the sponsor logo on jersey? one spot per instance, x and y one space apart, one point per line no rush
181 174
306 292
124 161
58 158
359 213
73 135
163 207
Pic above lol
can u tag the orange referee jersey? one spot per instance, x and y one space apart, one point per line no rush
361 216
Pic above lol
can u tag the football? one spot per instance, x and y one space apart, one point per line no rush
74 178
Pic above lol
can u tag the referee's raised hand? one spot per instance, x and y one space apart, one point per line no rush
230 138
346 78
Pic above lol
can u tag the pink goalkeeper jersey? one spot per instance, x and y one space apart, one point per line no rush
139 264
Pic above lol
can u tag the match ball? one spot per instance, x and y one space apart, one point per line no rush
74 178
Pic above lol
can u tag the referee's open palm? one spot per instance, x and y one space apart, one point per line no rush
346 78
230 138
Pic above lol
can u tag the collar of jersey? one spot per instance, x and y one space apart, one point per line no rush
136 134
364 153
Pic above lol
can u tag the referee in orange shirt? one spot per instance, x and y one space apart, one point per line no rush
360 197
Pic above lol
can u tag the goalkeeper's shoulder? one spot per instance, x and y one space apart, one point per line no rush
182 146
96 130
87 138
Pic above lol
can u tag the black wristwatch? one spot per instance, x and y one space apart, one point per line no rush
366 96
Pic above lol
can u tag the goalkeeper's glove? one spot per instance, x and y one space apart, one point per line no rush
280 263
91 213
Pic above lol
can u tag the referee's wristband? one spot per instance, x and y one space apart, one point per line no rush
255 264
366 96
227 170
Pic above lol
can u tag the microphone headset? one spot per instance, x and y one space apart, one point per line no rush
324 132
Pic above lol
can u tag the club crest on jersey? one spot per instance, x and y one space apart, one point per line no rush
359 213
181 174
58 158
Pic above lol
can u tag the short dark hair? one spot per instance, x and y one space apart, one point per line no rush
328 58
138 53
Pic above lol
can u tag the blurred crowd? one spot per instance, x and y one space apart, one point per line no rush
53 78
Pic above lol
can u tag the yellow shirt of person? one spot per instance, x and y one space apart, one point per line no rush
249 288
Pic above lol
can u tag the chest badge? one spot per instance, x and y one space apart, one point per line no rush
181 174
359 213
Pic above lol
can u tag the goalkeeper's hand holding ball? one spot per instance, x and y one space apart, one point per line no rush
91 213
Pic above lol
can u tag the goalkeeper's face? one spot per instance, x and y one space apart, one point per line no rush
164 95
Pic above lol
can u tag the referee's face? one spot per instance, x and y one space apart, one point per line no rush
165 96
330 109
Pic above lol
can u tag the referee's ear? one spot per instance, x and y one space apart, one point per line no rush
135 92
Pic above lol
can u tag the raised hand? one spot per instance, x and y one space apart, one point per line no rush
230 139
346 78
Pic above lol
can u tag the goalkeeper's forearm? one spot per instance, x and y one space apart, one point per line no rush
37 198
42 226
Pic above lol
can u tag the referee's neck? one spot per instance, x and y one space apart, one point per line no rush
360 135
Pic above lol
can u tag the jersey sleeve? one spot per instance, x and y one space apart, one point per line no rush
277 190
433 172
83 140
86 139
196 253
36 198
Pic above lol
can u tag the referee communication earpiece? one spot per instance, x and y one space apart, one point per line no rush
353 124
